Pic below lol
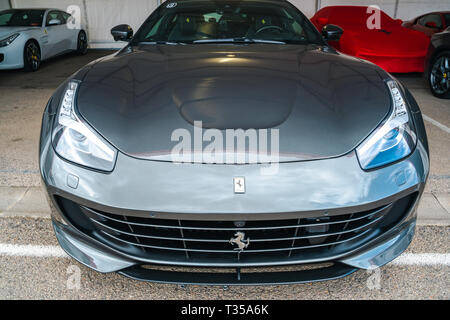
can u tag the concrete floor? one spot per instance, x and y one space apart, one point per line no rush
439 139
23 97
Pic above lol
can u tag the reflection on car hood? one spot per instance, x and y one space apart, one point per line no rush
323 103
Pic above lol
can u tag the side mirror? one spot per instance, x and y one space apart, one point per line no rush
332 32
122 32
54 22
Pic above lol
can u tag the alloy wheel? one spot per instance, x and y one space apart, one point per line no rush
440 75
33 56
82 43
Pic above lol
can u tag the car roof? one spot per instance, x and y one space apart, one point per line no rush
224 1
434 12
345 6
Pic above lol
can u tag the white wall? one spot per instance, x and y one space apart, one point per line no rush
101 15
105 14
4 4
387 6
408 9
308 7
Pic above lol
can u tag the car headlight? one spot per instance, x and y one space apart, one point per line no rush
394 139
75 141
7 41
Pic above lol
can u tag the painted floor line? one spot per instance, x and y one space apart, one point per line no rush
436 123
425 259
29 250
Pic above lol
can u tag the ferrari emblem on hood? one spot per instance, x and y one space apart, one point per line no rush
239 184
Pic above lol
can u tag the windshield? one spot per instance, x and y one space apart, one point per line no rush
21 18
227 21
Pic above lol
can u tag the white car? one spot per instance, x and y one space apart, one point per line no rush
29 36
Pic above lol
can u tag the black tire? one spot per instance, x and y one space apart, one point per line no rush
31 56
439 75
82 43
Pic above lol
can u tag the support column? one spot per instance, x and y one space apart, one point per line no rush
87 20
396 9
318 4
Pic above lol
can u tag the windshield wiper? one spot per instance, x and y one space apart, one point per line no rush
238 40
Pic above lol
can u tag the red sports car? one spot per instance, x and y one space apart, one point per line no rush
379 39
429 23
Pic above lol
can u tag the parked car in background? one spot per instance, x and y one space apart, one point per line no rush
392 47
429 23
29 36
437 64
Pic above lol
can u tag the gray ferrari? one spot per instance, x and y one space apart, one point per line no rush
228 144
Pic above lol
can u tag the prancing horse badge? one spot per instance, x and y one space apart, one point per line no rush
239 184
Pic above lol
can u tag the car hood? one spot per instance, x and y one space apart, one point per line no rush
7 31
323 103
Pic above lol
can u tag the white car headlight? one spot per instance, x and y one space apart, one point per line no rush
75 141
7 41
393 140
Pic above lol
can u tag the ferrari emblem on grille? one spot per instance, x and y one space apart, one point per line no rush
239 240
239 184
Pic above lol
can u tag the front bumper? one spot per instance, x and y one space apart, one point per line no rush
328 189
103 259
12 56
